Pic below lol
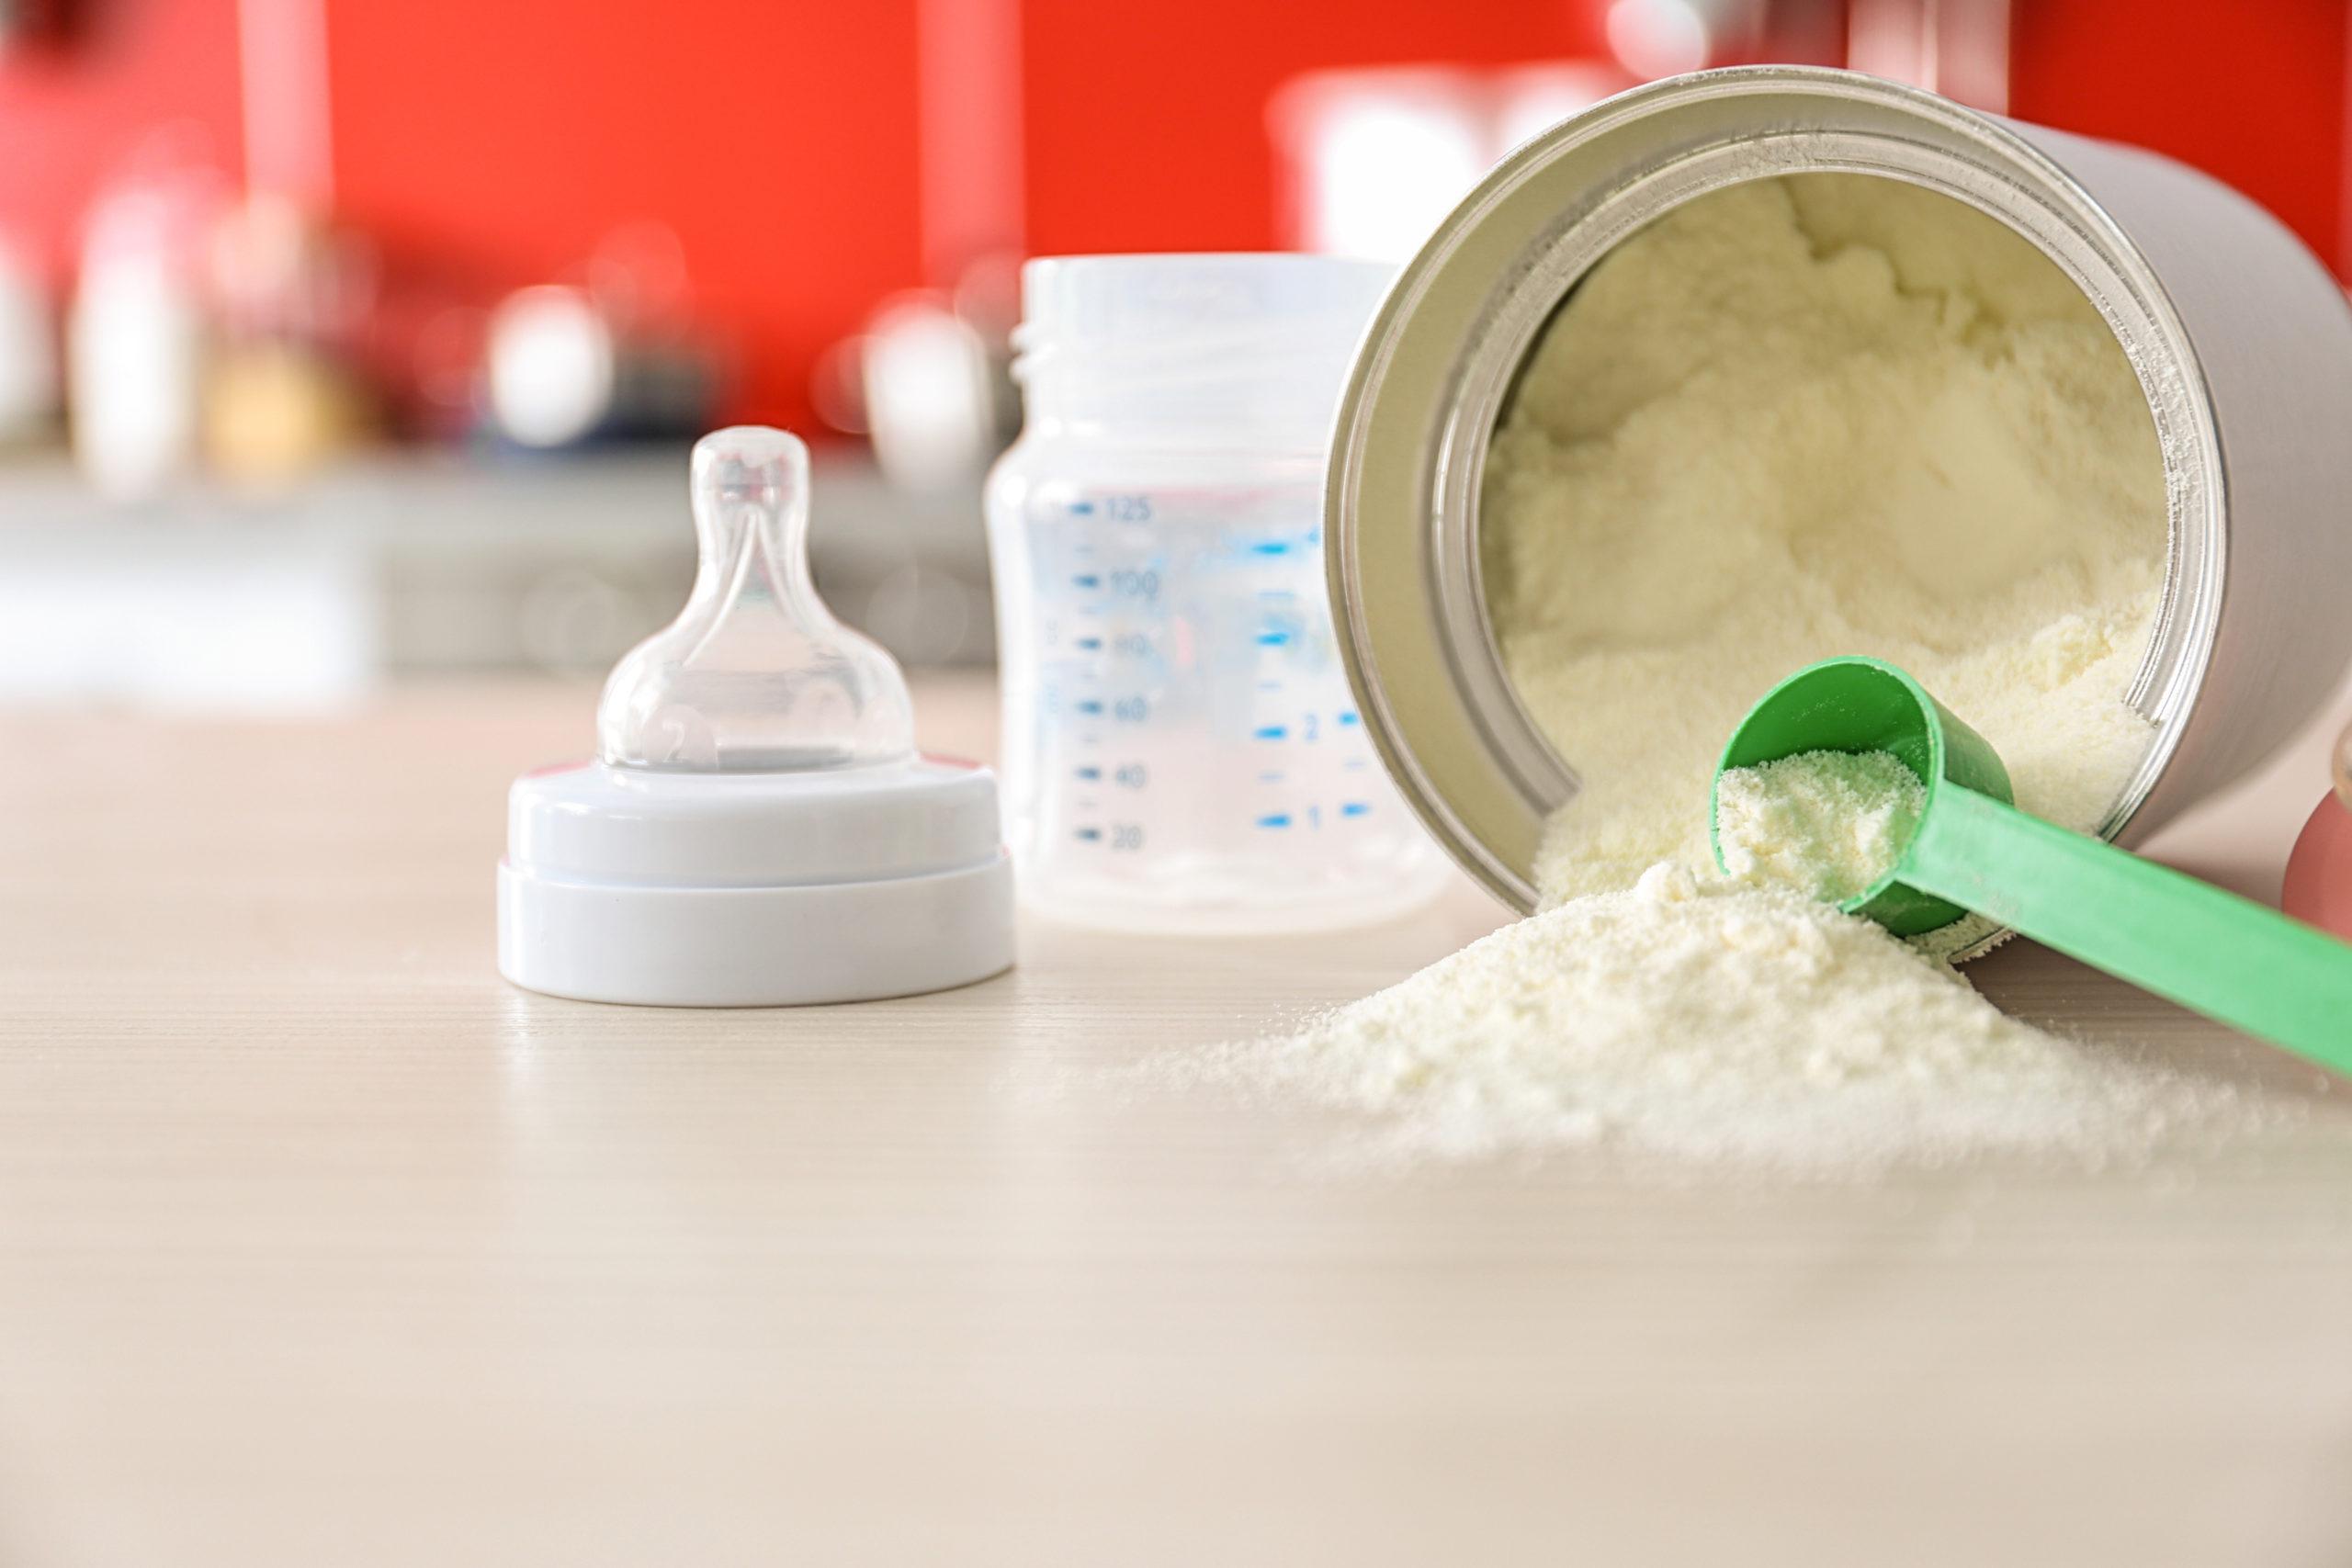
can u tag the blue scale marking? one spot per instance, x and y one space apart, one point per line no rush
1350 715
1090 644
1087 580
1272 639
1271 547
1354 809
1270 731
1090 706
1088 834
1089 774
1279 820
1081 509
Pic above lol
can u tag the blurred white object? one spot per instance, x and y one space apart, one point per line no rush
135 341
1376 158
615 357
27 350
930 394
1658 38
551 366
1384 156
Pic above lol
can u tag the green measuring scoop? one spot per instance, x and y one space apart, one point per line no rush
2226 956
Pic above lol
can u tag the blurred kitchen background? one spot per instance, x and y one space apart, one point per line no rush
346 341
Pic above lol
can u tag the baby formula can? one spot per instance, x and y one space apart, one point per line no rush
2239 340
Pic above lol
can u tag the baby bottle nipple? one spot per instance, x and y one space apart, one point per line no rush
755 675
757 828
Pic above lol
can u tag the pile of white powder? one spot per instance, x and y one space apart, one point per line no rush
1696 1019
1799 418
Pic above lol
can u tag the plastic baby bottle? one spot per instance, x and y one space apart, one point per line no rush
1181 749
2319 873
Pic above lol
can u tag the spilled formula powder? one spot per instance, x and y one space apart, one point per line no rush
1700 1019
1804 417
1823 824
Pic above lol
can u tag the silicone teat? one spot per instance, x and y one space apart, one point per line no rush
755 675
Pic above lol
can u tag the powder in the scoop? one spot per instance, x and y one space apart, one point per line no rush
1824 824
1804 417
1697 1019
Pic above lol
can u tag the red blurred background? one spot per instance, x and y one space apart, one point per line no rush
343 340
781 142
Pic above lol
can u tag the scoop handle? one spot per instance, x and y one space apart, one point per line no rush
2224 957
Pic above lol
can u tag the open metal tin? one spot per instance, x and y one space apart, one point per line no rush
2241 341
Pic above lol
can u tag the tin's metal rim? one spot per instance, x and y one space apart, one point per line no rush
1429 381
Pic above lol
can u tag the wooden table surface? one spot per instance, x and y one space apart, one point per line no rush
319 1245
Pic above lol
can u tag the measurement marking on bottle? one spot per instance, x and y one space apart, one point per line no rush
1350 715
1277 819
1089 774
1271 547
1089 644
1090 706
1271 732
1272 639
1087 580
1081 509
1088 834
1355 809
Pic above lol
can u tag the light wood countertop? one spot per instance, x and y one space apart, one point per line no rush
319 1245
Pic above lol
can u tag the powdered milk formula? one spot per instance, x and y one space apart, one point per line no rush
1825 824
1809 416
1697 1020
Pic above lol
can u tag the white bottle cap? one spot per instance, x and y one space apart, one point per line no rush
759 829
